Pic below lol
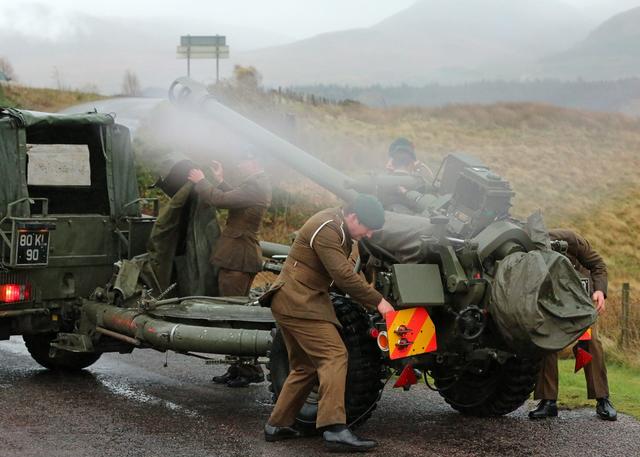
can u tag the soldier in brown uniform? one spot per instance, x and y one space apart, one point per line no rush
402 157
237 253
403 161
302 308
589 264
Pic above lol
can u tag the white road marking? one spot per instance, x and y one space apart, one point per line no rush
127 391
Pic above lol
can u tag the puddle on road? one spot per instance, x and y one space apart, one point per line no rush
130 393
14 346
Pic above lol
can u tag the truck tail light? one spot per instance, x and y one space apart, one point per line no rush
12 293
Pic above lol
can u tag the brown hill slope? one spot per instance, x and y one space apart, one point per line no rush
16 96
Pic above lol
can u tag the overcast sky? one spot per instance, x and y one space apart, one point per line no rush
291 18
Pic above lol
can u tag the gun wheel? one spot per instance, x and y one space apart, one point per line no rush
363 375
39 346
502 390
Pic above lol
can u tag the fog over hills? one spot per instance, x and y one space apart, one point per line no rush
433 40
86 50
611 51
441 41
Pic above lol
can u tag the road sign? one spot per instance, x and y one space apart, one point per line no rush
200 40
203 52
203 47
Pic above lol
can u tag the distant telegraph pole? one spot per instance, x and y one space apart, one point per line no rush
203 47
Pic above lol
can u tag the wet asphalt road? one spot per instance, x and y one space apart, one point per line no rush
131 405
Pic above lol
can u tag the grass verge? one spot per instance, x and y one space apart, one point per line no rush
624 384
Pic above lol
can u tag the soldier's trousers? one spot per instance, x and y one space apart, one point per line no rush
233 283
595 373
316 353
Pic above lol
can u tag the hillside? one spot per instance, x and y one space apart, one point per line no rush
609 52
16 96
433 40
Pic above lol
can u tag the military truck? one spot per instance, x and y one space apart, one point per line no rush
69 209
480 295
70 217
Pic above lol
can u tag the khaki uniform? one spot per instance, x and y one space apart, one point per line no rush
591 265
302 308
237 253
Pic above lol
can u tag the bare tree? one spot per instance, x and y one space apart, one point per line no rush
130 84
7 68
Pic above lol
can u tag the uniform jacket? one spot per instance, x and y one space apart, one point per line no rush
319 257
584 259
238 248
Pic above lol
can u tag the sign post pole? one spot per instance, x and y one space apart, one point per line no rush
189 55
217 59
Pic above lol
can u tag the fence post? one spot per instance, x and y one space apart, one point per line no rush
624 334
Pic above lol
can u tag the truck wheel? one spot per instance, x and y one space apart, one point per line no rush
364 371
503 390
38 346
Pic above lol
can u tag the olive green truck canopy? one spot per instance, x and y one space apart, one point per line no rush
112 165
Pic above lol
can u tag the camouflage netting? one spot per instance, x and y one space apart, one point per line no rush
538 301
181 242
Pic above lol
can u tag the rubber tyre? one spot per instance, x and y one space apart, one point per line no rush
502 391
364 371
38 346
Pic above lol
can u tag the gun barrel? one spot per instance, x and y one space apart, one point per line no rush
373 183
181 337
189 93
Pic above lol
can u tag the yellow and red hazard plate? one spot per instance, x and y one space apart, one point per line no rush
586 336
410 332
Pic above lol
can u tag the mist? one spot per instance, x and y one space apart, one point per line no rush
90 46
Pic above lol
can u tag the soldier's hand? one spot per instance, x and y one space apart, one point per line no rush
384 307
599 301
195 175
217 170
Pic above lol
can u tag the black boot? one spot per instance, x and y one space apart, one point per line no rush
245 380
341 439
546 408
232 373
605 409
272 433
247 373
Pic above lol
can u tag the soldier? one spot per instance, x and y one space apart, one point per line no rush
300 303
237 252
590 264
403 161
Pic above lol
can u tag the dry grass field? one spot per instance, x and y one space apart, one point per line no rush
48 100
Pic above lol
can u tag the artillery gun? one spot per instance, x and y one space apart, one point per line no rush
480 296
